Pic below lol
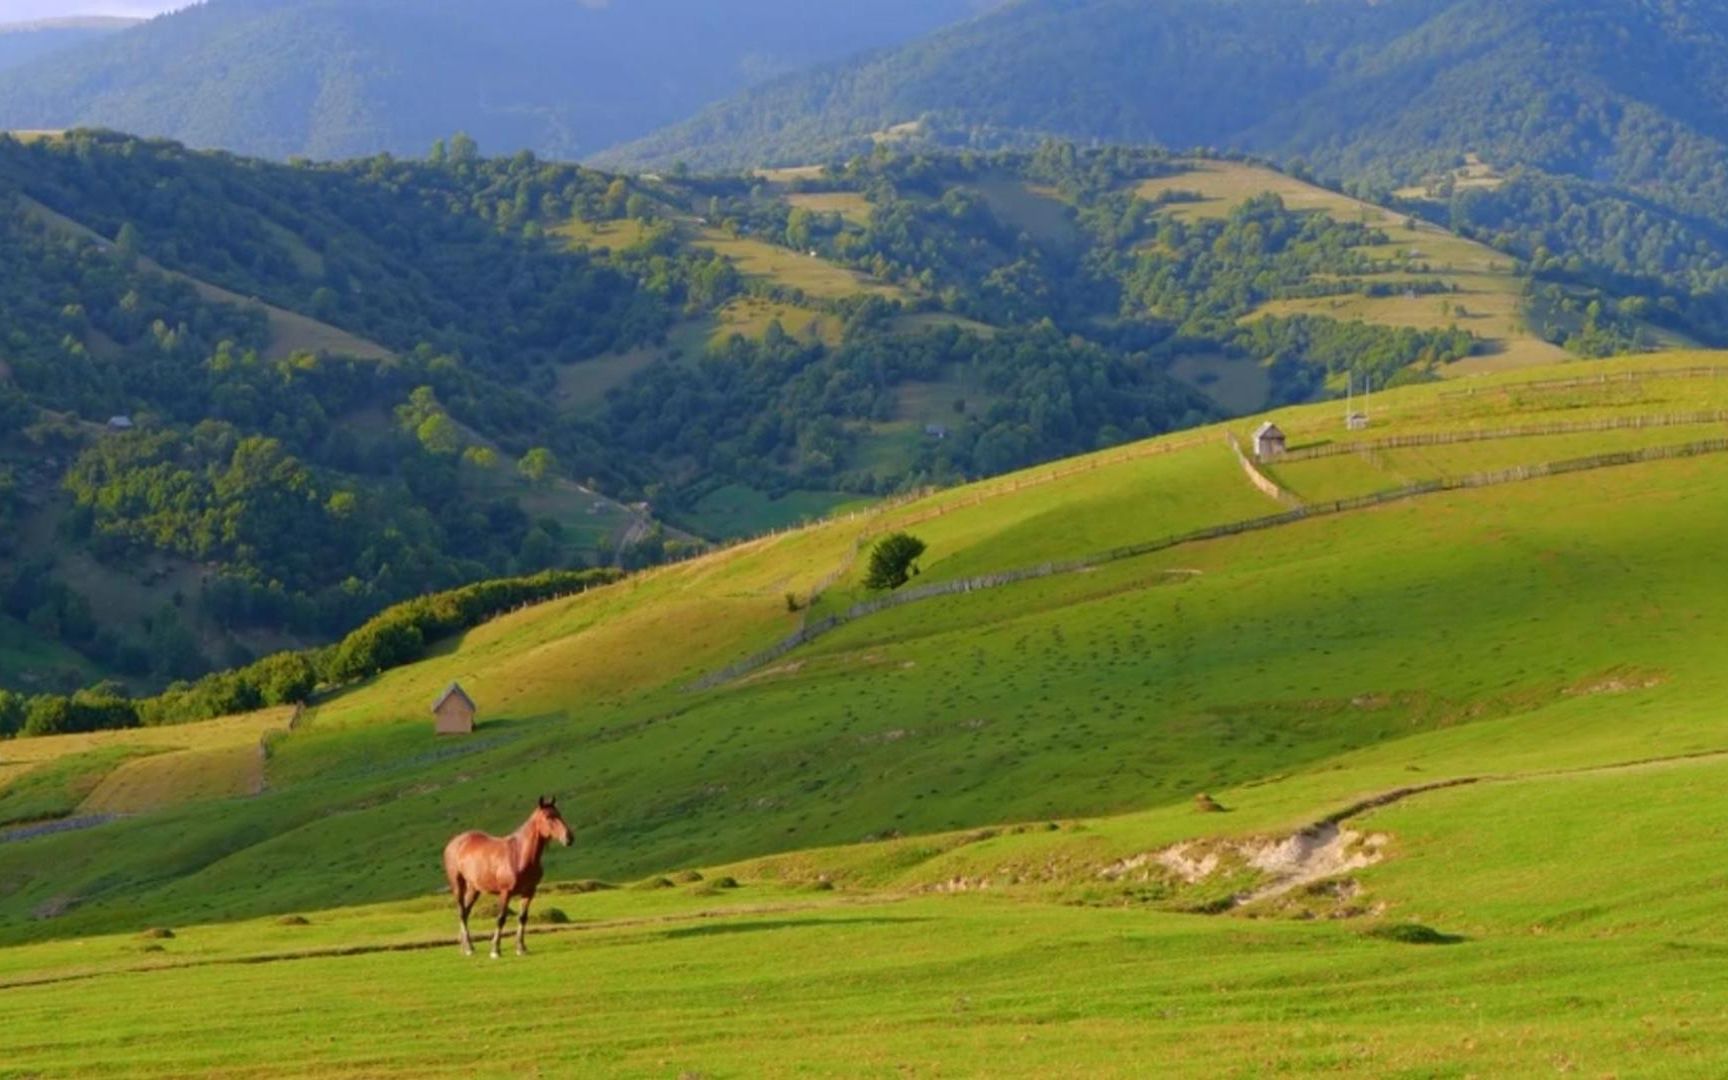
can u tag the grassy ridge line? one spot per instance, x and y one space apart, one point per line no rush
1072 853
812 631
1446 438
1695 371
986 490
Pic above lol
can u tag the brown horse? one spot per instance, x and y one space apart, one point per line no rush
507 865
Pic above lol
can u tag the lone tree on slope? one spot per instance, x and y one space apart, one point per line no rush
891 561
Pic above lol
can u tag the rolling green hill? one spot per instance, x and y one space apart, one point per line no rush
1444 829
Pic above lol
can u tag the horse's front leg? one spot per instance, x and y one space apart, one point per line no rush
503 914
522 927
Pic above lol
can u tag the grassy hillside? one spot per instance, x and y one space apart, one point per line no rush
1369 695
1131 682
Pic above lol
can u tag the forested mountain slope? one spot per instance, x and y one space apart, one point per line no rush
22 42
1594 89
339 78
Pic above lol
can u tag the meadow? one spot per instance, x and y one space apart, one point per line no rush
813 276
1458 836
1486 281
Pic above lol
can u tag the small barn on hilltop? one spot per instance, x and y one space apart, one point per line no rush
453 712
1269 442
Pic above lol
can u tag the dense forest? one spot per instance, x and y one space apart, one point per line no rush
269 400
350 78
23 42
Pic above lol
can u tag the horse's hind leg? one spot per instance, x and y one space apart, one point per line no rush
522 927
464 904
503 915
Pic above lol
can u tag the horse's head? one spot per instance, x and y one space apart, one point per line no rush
550 823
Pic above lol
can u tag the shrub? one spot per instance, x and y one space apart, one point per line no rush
54 715
1413 934
555 916
12 713
892 559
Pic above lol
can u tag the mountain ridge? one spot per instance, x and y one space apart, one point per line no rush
330 79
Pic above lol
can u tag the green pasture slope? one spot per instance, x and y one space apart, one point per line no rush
1471 749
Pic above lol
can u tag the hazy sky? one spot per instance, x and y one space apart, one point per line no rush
19 10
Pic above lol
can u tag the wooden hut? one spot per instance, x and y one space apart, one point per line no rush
1268 442
453 712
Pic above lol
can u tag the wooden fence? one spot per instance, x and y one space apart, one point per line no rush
1558 427
1260 480
1698 371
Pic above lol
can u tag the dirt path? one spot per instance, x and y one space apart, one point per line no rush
1329 848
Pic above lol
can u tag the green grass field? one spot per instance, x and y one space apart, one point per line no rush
1039 211
736 510
620 234
815 277
964 831
36 661
1239 384
582 386
852 206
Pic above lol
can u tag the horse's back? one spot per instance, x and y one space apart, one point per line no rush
462 848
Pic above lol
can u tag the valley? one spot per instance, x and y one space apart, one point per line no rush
1008 538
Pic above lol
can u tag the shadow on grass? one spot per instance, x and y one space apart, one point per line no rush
784 924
